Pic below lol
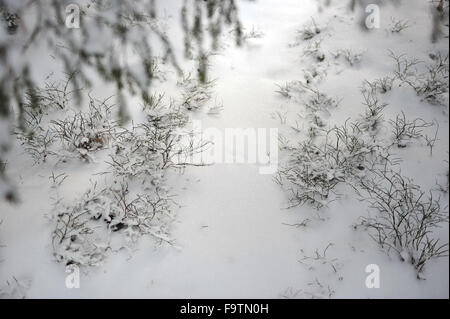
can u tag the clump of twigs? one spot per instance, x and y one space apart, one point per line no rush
307 177
361 154
319 101
352 57
381 85
50 133
398 25
331 269
135 199
85 132
315 74
314 100
34 133
195 94
285 89
405 217
110 218
315 168
153 101
373 115
38 141
330 156
159 143
54 95
321 258
431 82
86 230
75 240
403 130
254 33
318 105
313 49
309 31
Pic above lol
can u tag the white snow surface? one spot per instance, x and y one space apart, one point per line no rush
232 230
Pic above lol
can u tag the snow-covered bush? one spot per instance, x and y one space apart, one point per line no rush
352 57
85 132
34 130
75 239
38 143
116 216
319 101
313 49
71 136
300 91
433 84
403 130
430 81
315 74
308 31
318 105
195 94
405 217
286 89
315 167
372 118
308 178
252 34
398 25
381 85
108 219
161 142
330 156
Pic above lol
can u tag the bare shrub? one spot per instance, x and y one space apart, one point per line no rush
398 25
373 115
319 101
405 217
153 101
381 85
66 136
286 89
309 31
403 131
331 269
85 132
315 168
352 57
38 142
431 83
160 143
85 231
431 140
252 34
313 49
195 94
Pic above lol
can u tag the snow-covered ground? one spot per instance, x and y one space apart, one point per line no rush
233 234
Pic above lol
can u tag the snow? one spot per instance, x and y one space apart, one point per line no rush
233 234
